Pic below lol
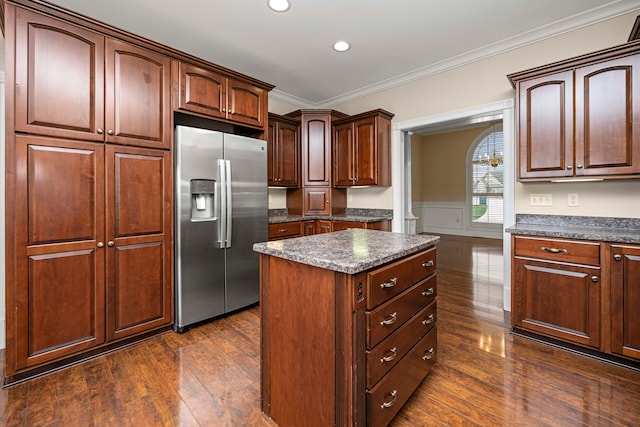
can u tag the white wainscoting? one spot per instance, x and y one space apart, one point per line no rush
450 218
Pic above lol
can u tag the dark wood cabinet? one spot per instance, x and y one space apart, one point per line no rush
139 223
74 83
59 300
377 343
316 149
362 150
579 118
384 225
557 289
625 300
59 78
283 152
285 230
94 246
316 201
211 93
138 104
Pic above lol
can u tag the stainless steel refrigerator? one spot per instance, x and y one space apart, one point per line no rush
221 211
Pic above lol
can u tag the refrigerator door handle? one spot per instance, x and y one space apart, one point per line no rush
222 206
229 202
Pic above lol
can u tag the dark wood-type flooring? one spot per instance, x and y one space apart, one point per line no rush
209 376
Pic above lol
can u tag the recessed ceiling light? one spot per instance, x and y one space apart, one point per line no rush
341 46
279 5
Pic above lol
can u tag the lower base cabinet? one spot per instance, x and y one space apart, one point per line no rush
345 350
94 256
625 300
559 290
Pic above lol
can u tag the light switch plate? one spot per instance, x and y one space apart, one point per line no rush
540 199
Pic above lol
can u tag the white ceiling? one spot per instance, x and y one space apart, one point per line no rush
392 41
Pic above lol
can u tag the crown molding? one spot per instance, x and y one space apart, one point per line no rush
584 19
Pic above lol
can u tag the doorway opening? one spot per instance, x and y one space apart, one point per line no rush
405 218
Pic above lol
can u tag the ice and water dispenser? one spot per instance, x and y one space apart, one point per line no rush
203 198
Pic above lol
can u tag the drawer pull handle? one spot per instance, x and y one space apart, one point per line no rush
617 257
391 321
553 250
428 264
428 320
394 396
390 284
428 355
428 292
283 230
386 359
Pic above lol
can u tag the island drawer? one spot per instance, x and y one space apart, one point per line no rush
558 250
391 315
285 230
390 351
388 396
390 280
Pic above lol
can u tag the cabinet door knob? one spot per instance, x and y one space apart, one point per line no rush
617 257
569 167
100 245
579 166
392 319
110 131
100 131
111 243
595 279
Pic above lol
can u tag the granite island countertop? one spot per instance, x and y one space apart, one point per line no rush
603 229
347 251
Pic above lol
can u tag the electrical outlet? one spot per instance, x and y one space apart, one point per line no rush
540 200
573 199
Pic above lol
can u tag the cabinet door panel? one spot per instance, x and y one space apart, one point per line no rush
59 78
546 126
60 270
202 91
289 155
137 90
139 227
63 191
365 152
607 116
247 104
316 201
625 300
559 300
343 155
316 146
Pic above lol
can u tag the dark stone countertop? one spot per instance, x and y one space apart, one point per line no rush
347 251
604 229
345 217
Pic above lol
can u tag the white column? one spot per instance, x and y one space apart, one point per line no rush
409 219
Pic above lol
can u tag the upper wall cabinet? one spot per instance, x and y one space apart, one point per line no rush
580 118
362 150
283 152
208 92
74 83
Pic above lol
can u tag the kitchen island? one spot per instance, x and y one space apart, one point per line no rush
348 325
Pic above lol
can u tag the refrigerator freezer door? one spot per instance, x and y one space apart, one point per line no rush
200 265
248 158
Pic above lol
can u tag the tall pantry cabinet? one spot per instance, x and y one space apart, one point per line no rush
89 190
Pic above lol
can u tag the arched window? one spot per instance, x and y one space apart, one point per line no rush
486 173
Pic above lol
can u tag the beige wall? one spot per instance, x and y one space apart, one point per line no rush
439 166
484 82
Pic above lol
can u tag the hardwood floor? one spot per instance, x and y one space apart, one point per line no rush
209 376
